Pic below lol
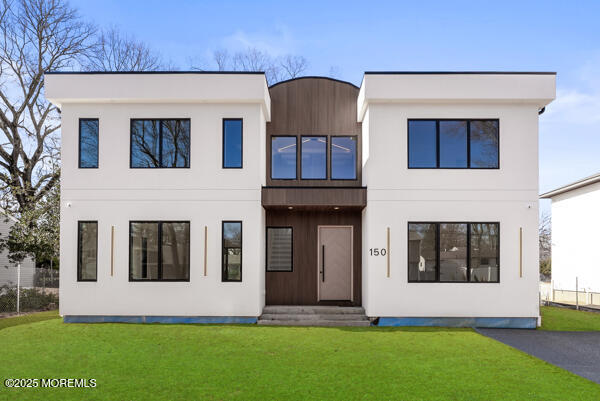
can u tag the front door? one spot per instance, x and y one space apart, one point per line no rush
335 263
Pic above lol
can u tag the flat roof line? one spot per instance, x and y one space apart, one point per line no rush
460 73
152 72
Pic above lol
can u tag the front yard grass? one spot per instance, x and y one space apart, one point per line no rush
564 319
229 362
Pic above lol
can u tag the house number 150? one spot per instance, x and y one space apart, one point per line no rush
377 251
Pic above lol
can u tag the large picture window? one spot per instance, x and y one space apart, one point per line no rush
279 249
160 143
159 251
87 250
453 144
232 251
88 142
454 252
283 157
232 142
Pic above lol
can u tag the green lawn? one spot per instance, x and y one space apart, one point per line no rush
562 319
223 362
25 319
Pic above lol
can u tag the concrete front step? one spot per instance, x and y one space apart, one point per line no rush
321 323
315 310
309 316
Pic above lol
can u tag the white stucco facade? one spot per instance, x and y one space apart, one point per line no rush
206 194
575 213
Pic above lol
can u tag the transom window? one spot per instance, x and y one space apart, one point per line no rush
454 252
160 143
453 144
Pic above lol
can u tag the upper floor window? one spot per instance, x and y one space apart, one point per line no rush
454 252
160 143
453 143
314 157
232 142
283 157
343 158
159 251
88 142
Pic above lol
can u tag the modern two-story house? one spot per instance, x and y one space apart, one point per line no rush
206 197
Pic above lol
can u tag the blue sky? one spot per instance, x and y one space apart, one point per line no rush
351 37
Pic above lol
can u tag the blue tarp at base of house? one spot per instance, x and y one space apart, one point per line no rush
159 319
495 322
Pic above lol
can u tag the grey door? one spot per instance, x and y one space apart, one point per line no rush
335 263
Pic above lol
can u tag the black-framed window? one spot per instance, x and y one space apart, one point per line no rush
160 143
280 254
233 129
231 259
453 143
343 157
87 250
454 252
314 158
88 142
284 153
159 251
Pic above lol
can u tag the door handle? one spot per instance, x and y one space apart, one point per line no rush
323 263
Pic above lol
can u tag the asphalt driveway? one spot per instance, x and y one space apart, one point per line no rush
575 351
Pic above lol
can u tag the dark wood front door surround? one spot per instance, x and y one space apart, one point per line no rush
323 107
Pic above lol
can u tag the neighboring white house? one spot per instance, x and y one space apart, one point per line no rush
575 212
203 197
8 269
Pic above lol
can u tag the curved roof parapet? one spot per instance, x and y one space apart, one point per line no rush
314 77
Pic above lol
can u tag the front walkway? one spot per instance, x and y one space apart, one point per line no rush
575 351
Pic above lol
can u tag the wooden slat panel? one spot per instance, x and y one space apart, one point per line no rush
273 197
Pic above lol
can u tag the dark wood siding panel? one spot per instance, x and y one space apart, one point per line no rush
314 106
274 197
300 286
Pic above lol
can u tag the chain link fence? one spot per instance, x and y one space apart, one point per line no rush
27 289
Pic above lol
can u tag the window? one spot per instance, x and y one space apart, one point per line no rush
88 142
283 157
87 250
454 252
232 142
314 157
279 249
232 251
160 143
159 251
343 158
453 144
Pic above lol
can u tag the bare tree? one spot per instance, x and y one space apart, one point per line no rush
293 66
117 51
545 244
36 36
275 68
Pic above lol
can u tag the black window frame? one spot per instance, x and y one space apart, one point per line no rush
437 143
160 143
331 158
224 279
271 158
79 223
267 250
437 252
79 145
241 166
159 256
299 162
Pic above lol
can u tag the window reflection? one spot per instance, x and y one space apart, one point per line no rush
422 252
88 250
88 143
484 144
343 158
314 157
453 252
485 253
160 143
422 144
232 251
283 157
453 144
232 143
